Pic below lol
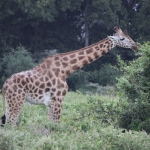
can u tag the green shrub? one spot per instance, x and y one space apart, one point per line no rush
105 76
78 79
16 60
97 139
134 88
87 123
6 142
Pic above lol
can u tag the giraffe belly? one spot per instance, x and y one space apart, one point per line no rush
46 99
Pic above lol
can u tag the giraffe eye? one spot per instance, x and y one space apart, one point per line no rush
122 39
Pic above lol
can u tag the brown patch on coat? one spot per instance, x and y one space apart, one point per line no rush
53 89
76 67
56 58
18 80
40 91
97 48
72 55
88 51
31 80
101 45
42 86
84 62
81 53
48 84
65 64
67 72
56 71
54 81
48 63
46 79
42 79
73 61
104 52
57 63
50 75
43 66
37 83
64 92
96 55
90 59
58 93
23 82
65 58
81 57
59 84
47 90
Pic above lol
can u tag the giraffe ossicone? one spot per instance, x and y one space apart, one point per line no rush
46 83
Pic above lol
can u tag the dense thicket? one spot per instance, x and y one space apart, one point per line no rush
134 90
66 25
87 123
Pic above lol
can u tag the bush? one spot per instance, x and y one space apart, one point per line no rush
134 88
87 123
77 80
105 76
17 60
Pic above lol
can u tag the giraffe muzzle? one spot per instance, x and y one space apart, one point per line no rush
134 47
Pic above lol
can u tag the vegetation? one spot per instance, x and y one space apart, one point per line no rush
106 76
97 116
134 90
88 122
67 25
16 60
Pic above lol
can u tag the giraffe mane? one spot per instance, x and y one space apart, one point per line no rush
71 52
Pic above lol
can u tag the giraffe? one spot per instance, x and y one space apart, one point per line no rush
46 83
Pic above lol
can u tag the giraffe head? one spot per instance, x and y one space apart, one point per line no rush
122 39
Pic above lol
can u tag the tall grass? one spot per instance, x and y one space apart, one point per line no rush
88 122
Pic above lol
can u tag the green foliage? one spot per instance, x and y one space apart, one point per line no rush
17 60
105 76
78 79
134 87
43 10
65 25
87 123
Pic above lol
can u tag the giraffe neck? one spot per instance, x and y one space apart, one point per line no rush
87 55
66 63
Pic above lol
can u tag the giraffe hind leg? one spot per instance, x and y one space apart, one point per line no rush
12 114
54 110
13 109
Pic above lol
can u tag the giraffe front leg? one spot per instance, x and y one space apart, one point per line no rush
55 107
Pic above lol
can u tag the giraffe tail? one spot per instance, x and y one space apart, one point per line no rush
3 118
3 99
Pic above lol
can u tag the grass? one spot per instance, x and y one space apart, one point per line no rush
88 122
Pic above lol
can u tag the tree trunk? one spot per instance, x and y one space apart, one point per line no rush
86 34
